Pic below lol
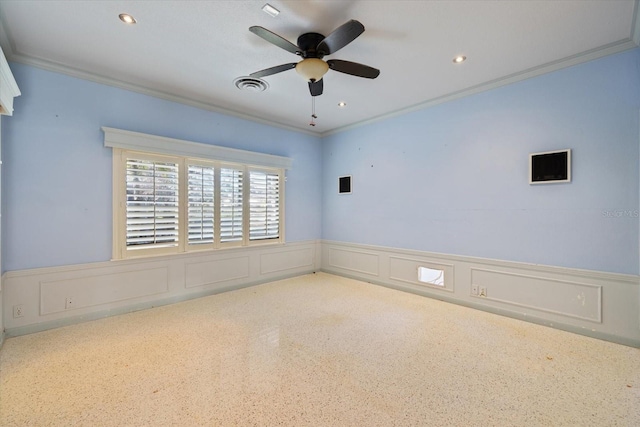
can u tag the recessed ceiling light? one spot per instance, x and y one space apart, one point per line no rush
459 59
127 19
342 104
267 8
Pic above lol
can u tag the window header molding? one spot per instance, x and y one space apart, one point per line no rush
127 140
8 87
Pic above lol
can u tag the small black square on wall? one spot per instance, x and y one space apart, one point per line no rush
344 185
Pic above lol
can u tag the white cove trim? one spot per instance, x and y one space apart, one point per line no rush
118 138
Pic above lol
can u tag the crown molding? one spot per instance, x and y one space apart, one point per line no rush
633 41
96 78
549 67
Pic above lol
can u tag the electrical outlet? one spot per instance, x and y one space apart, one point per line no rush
18 310
474 290
483 291
68 303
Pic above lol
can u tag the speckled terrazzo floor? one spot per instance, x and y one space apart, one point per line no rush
317 350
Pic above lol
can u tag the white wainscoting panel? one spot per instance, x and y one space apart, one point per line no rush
357 261
572 299
598 304
92 290
212 271
277 262
114 287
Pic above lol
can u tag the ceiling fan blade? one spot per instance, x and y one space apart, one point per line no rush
316 87
275 39
353 68
340 37
273 70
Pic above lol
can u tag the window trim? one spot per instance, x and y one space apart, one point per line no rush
145 143
182 153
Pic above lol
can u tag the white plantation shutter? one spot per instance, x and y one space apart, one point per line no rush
167 203
200 211
264 205
231 205
151 204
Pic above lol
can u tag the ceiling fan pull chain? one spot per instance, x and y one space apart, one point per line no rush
313 111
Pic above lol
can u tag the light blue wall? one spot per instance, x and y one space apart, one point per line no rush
57 174
453 178
450 178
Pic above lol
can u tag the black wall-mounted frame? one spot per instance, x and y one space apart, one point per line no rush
550 167
344 184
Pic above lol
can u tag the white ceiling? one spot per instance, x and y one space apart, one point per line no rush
191 51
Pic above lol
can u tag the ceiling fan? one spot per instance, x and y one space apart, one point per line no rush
312 47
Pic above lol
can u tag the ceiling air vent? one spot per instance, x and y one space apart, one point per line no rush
251 84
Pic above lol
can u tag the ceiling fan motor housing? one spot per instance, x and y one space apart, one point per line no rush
308 43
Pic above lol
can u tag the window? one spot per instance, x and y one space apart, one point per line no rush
231 206
201 208
431 276
172 196
173 204
152 203
264 205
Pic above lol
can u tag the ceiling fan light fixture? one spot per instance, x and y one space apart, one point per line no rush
312 69
342 104
127 19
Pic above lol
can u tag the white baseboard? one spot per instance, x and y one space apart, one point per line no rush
58 296
597 304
